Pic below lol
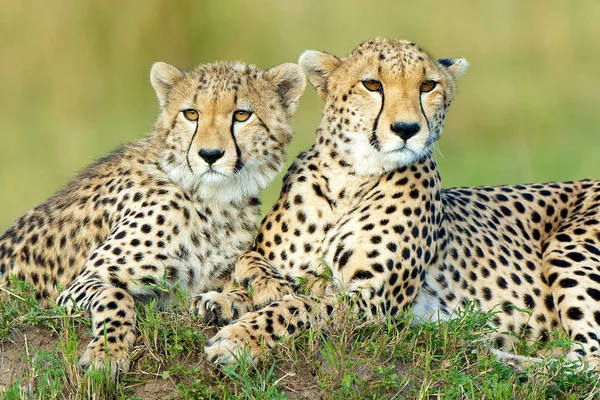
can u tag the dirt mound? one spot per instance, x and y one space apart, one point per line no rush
15 352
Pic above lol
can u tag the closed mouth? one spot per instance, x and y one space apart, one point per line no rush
403 147
211 171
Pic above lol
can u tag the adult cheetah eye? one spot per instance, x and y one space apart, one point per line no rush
428 86
372 85
191 115
241 115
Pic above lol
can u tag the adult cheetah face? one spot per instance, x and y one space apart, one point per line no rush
224 127
385 102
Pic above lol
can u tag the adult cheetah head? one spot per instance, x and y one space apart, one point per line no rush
224 127
385 102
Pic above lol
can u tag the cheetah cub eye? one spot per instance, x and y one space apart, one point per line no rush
191 115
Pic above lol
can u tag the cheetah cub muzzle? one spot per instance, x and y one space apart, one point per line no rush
174 208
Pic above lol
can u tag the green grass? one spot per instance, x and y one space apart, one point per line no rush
349 360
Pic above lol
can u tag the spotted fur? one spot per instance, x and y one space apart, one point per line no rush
365 206
156 213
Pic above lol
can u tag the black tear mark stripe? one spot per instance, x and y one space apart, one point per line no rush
373 140
239 164
423 112
187 155
422 109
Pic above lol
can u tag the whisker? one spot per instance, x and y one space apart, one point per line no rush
438 150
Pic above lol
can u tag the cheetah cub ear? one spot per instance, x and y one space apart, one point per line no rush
456 66
289 82
318 66
163 76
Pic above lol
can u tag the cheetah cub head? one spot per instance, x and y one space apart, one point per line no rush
224 127
385 102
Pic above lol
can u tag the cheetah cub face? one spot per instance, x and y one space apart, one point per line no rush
387 99
225 125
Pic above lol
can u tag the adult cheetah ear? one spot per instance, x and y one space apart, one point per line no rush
163 76
456 66
318 66
289 82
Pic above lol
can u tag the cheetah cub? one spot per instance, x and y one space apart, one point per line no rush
176 207
365 206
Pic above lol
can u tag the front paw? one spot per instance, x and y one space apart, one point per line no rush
267 291
219 308
580 363
233 343
115 359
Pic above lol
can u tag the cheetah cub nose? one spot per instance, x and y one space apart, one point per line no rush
404 130
210 156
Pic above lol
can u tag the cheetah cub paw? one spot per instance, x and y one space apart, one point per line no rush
115 358
220 308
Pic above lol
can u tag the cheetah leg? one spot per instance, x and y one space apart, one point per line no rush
263 282
572 261
262 329
259 284
113 322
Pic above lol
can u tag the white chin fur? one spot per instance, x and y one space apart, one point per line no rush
249 182
369 161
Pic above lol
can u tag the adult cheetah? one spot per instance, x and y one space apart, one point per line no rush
365 206
176 207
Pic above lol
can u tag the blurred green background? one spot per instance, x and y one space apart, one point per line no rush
74 78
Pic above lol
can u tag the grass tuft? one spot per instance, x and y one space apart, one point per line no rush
350 359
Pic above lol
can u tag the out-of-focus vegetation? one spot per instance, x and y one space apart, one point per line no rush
74 78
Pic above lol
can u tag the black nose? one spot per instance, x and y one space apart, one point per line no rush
404 130
210 156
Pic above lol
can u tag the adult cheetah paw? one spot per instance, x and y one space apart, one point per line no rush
267 291
232 344
115 360
220 308
579 363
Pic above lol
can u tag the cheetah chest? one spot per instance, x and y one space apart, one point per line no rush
207 249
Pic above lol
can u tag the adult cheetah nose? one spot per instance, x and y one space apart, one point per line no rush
210 156
404 130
